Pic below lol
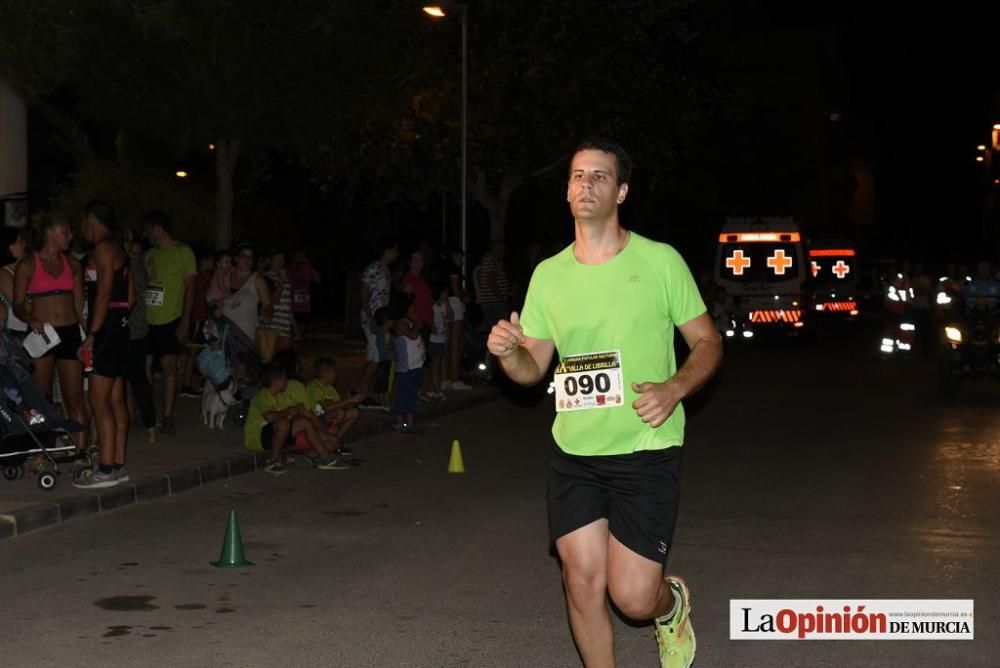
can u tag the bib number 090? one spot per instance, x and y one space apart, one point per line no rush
586 384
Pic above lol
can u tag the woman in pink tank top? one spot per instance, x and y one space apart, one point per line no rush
48 289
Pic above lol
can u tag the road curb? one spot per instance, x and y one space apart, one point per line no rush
67 509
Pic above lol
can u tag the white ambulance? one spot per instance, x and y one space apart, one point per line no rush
835 272
761 265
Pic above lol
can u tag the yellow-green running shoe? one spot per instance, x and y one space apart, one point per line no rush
675 636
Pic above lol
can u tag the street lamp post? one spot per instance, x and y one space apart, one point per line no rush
440 11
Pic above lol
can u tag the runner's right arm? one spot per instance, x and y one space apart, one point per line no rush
523 359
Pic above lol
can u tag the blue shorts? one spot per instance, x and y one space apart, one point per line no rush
407 386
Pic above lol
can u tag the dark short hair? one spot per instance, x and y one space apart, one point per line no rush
440 284
384 244
221 254
399 304
288 361
103 212
324 364
624 168
158 218
270 373
49 221
381 315
239 248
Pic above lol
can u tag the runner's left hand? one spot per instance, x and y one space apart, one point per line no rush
656 402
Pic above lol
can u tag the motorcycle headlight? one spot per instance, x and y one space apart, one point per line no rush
953 334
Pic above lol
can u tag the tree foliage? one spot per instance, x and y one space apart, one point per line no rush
542 76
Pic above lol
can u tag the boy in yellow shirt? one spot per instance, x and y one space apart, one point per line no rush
340 414
275 419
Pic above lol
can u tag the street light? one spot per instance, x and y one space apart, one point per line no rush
438 12
181 174
981 147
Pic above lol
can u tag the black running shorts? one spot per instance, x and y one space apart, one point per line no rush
637 493
110 352
69 344
162 341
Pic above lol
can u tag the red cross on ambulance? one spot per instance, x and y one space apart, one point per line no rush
737 262
841 269
779 262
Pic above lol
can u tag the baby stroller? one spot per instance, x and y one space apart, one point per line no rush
30 428
217 361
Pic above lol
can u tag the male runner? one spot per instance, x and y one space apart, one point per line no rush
610 302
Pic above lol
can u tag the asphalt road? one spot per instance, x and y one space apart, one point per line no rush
811 471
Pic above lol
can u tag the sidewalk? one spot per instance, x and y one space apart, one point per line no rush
193 457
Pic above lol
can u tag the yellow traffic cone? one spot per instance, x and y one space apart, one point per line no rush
455 464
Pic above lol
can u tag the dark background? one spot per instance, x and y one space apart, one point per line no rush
859 119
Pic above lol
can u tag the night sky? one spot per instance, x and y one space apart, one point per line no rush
928 86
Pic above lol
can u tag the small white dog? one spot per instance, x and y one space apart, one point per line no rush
216 403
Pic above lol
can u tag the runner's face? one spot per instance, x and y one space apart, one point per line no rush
87 228
61 236
593 191
245 260
17 248
416 263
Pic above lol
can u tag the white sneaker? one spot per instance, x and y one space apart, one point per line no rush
460 386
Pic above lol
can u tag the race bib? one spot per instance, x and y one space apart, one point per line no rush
154 295
585 382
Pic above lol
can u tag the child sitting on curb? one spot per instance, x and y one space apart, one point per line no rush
297 395
339 414
274 422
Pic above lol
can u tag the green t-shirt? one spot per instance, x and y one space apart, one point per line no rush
318 391
167 268
632 303
295 395
262 402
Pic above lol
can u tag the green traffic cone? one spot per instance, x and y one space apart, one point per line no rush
232 546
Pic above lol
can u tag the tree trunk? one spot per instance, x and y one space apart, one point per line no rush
67 134
495 203
226 155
